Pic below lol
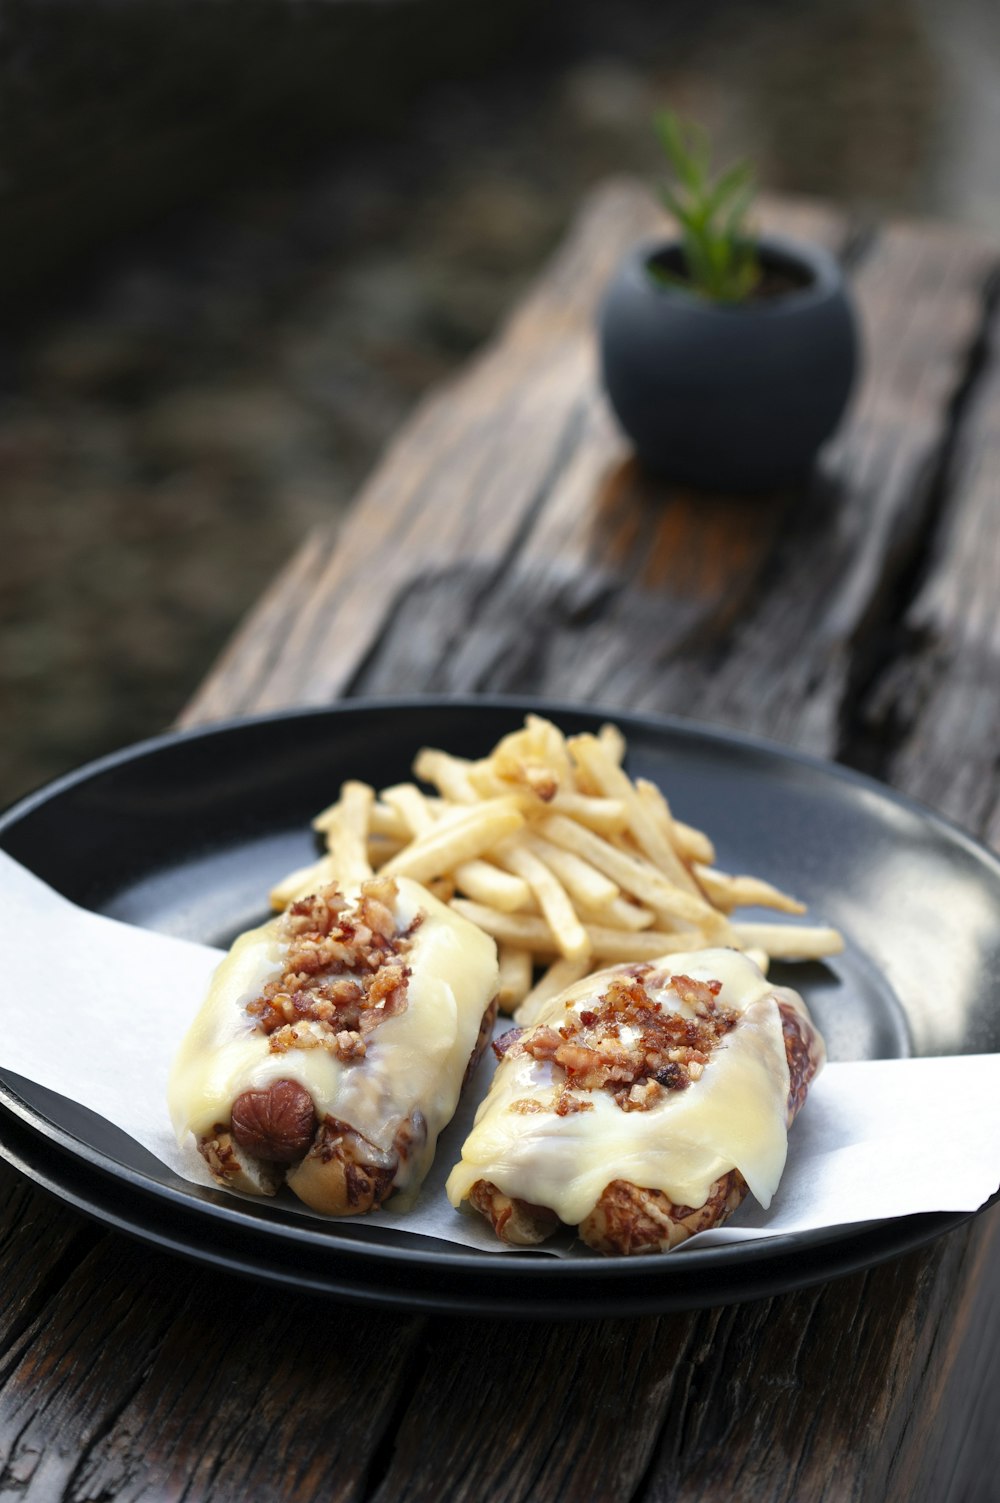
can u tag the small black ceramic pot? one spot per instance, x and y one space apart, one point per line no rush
729 396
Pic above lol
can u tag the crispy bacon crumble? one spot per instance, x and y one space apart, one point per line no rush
344 972
628 1042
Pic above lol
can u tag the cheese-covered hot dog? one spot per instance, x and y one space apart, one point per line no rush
641 1105
333 1045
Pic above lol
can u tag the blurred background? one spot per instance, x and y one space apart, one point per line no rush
240 240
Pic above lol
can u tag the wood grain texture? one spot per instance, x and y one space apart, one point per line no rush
140 1377
940 695
509 542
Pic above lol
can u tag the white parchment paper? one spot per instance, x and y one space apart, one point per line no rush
95 1009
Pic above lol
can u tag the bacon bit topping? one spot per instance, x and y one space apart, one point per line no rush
343 973
566 1104
663 1050
506 1041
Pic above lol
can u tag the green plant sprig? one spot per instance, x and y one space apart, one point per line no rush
720 255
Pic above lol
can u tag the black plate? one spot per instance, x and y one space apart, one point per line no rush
184 834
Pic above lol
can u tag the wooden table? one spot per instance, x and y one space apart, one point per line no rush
507 542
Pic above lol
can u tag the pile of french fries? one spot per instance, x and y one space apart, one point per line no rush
549 846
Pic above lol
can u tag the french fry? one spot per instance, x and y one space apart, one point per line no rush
449 843
486 883
633 875
326 816
387 821
584 883
619 914
530 931
561 974
790 941
356 801
522 931
380 847
411 808
613 742
515 977
652 806
728 892
475 879
302 881
451 775
550 846
692 844
553 899
534 757
648 820
348 853
345 825
605 815
353 808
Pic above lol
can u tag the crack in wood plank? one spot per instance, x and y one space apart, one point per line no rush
943 682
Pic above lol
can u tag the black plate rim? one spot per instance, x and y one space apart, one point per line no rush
741 1282
892 1237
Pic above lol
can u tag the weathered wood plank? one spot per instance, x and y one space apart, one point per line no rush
462 487
940 700
143 1378
749 612
581 575
40 1241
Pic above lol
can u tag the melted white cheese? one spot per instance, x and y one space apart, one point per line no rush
415 1061
733 1117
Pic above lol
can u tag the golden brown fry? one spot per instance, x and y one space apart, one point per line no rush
561 974
652 806
623 913
411 807
648 818
475 879
584 883
605 815
529 931
552 848
380 848
553 899
302 881
692 844
613 742
454 840
387 821
728 892
451 775
486 883
632 873
534 757
515 977
790 941
348 854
